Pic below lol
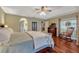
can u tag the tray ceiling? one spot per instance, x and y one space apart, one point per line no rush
29 11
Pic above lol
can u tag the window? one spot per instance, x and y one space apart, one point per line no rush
70 22
34 26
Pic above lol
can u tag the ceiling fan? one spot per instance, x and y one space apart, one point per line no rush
43 10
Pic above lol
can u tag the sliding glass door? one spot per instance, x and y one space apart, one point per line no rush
70 22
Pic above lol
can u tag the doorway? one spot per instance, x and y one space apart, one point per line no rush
23 25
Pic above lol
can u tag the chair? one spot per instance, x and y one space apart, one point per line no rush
68 33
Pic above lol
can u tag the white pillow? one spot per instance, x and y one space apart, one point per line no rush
4 35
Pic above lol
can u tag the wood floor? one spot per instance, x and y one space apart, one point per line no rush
62 46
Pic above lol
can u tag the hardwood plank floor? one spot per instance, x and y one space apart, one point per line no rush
62 46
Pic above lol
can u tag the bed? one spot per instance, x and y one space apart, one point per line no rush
26 42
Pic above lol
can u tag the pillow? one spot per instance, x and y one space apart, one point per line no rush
4 35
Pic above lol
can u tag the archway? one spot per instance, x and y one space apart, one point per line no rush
23 24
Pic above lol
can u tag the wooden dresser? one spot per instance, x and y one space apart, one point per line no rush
52 29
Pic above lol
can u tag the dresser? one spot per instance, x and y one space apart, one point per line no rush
52 29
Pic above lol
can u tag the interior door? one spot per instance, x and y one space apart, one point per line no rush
22 26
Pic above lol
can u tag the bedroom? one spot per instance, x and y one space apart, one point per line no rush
39 18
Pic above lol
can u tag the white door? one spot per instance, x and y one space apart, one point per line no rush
22 26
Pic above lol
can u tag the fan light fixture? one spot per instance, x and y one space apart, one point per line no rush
42 13
43 10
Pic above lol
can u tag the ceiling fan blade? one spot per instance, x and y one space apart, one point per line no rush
43 9
37 9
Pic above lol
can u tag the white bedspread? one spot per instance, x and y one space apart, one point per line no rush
27 42
41 39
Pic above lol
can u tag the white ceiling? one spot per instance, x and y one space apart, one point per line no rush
29 11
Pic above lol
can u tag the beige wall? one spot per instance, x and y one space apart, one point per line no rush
13 22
